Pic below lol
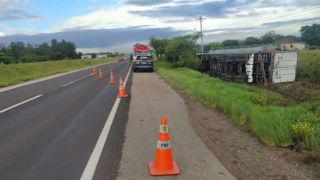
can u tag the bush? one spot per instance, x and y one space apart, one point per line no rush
5 59
32 58
189 60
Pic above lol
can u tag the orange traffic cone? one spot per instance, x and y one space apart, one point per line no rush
94 71
112 80
122 91
163 163
100 74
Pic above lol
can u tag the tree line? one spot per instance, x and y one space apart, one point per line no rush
18 52
309 34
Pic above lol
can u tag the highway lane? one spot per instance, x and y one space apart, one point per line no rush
52 137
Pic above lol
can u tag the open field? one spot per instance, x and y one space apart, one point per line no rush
276 120
16 73
309 65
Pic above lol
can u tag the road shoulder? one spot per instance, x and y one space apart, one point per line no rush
152 98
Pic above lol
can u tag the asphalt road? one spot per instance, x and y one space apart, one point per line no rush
53 135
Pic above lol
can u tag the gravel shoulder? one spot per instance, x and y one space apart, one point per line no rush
151 98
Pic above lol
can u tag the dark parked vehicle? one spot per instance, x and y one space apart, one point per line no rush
142 58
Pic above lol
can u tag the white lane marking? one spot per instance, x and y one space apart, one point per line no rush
23 102
96 153
67 84
76 80
84 77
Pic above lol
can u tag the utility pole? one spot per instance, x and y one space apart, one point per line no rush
201 34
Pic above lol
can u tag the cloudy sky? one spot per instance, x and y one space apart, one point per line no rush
108 25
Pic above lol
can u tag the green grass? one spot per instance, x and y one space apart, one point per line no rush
275 121
16 73
309 65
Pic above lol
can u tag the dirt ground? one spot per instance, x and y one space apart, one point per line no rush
299 90
239 150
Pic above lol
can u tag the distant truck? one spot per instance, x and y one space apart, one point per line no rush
142 58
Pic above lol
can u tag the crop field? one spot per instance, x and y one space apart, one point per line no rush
276 120
17 73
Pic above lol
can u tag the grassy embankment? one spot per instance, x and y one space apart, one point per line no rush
17 73
271 117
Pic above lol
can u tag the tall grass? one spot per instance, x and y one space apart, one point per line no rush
309 65
270 116
16 73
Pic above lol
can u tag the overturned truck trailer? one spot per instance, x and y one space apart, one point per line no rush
252 65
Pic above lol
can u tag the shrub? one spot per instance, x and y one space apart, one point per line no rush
32 58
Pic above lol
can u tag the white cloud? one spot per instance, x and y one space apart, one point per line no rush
107 18
5 4
124 48
12 4
239 19
255 14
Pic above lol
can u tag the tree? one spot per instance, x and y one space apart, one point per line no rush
5 59
16 49
270 37
55 53
180 52
213 46
71 51
62 50
158 45
251 41
230 42
292 38
43 50
311 34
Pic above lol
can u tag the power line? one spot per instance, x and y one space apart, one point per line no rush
289 14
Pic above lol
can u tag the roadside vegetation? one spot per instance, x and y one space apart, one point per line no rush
271 117
309 66
276 118
16 73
